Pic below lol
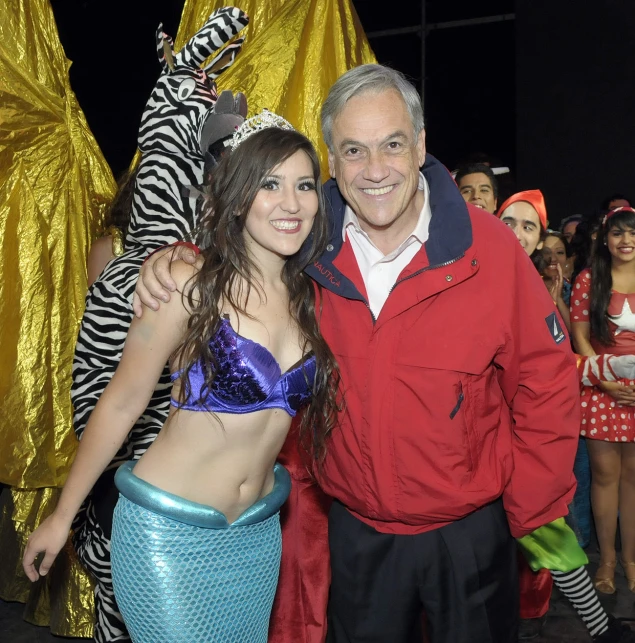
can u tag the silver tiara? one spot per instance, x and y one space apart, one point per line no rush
261 121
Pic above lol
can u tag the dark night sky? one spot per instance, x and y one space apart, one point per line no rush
470 71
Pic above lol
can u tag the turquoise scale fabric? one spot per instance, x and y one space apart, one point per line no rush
177 583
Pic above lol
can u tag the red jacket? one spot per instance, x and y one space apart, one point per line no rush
462 391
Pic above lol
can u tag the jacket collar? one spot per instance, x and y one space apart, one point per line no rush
450 232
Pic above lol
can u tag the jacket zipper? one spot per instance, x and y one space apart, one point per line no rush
459 401
415 274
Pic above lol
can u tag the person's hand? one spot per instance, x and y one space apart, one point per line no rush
623 366
155 281
49 538
622 394
555 289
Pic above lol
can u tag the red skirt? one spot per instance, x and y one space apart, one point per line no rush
604 419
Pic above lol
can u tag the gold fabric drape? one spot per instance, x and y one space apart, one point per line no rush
294 51
54 188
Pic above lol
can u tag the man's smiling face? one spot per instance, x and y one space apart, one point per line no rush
375 159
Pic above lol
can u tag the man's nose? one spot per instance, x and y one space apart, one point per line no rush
376 169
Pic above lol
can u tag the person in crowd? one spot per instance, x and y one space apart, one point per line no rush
526 214
616 200
111 244
555 258
582 242
506 182
566 561
196 536
478 186
602 305
422 506
568 226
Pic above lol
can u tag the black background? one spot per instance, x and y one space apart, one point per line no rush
575 101
549 94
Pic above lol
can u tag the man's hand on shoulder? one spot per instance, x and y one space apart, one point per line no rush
155 281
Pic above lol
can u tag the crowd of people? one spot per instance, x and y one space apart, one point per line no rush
412 335
586 267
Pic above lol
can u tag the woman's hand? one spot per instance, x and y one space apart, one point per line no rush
622 394
50 537
555 289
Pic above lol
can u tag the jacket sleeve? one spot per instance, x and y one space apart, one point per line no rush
539 379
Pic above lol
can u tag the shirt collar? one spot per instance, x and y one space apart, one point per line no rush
421 229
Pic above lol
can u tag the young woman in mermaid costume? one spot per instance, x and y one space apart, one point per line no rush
196 536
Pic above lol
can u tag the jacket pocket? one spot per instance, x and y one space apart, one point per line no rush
462 416
459 401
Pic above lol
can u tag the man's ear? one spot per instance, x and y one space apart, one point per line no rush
421 147
540 245
331 164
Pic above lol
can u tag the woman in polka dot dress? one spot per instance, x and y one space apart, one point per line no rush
603 321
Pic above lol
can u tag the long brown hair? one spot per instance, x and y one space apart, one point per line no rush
602 275
228 274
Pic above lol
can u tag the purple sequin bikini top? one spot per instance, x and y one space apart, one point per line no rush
248 378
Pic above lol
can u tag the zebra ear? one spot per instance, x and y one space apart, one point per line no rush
240 104
219 29
165 49
224 59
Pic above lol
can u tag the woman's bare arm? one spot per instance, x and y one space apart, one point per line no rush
149 344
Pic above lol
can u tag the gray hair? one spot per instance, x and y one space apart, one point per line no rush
373 79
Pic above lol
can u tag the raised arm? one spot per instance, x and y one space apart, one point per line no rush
149 344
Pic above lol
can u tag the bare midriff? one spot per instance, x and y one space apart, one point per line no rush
221 460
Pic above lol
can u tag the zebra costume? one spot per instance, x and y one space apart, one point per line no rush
182 118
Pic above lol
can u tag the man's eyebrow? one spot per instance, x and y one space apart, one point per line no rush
353 143
350 142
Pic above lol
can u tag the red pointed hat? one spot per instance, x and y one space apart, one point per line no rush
534 198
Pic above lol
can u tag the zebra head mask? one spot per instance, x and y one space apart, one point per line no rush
177 129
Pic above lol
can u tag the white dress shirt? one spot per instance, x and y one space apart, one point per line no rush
380 271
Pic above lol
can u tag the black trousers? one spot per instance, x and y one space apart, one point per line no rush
463 576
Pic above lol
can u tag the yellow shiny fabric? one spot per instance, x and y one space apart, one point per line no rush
54 188
294 51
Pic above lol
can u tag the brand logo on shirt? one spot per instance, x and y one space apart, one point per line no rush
553 324
325 272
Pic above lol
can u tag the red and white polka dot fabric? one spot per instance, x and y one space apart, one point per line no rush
580 294
602 417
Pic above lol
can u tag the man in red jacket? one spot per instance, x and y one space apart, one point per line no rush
461 418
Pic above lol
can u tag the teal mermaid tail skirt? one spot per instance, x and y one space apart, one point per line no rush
182 574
